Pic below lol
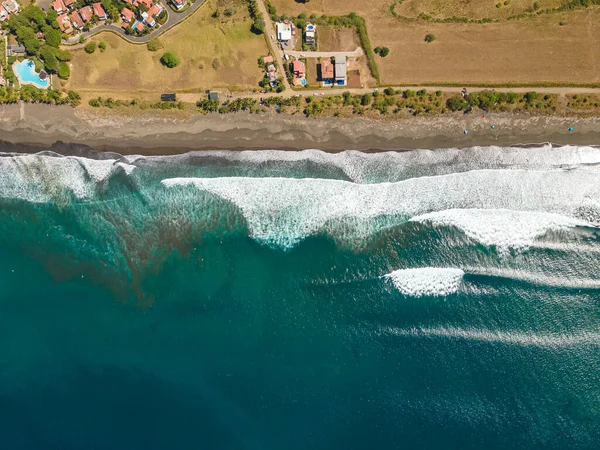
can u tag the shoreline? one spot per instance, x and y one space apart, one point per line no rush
34 128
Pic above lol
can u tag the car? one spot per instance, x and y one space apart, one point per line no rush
302 55
376 89
322 94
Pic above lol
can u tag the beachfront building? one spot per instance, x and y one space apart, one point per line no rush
299 70
99 11
341 71
284 31
179 4
310 34
327 72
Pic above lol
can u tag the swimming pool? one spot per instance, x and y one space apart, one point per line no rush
25 71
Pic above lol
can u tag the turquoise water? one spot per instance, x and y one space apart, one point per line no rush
270 300
26 72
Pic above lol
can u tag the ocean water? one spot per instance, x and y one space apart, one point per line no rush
444 299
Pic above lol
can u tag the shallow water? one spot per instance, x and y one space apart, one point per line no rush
269 300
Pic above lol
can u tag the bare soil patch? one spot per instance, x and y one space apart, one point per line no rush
336 39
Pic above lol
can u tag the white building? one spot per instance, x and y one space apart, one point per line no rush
284 31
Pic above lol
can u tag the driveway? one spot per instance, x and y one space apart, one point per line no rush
173 19
270 31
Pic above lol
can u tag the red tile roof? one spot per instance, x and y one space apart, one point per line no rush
59 6
326 69
154 10
148 3
299 67
268 59
86 13
127 14
76 19
69 2
139 26
99 10
64 24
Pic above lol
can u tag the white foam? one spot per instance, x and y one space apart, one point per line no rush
283 211
427 281
392 166
503 228
504 337
41 178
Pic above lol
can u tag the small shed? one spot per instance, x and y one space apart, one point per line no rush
168 97
43 74
213 96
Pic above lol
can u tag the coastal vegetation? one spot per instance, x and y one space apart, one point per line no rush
31 94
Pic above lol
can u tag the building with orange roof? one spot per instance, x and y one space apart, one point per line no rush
139 27
155 10
147 3
76 20
59 6
327 73
99 11
127 15
69 3
86 13
64 23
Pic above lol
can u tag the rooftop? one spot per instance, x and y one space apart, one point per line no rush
284 31
326 69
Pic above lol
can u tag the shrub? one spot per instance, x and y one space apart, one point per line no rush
154 45
102 46
366 99
429 38
169 60
90 47
384 52
95 103
64 71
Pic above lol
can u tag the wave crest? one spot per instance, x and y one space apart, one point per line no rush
427 281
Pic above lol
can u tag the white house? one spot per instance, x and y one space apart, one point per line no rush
284 31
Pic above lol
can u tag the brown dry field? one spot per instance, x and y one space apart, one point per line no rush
335 39
527 50
214 54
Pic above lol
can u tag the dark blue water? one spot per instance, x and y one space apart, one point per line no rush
269 300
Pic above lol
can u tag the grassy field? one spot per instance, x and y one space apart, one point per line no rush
214 53
558 47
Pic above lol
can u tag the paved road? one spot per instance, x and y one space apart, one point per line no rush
270 31
356 53
173 19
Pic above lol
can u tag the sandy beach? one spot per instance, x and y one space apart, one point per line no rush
166 133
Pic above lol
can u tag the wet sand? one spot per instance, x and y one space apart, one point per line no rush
152 133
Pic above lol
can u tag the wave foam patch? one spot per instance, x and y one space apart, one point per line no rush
40 178
283 211
504 229
427 281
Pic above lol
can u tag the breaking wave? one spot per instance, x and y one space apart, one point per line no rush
283 211
427 281
504 229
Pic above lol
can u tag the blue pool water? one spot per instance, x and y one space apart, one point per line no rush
26 73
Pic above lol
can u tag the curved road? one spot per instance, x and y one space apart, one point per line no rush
173 19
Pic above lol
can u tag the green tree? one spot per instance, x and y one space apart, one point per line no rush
457 103
64 71
50 61
52 36
366 99
169 60
102 46
430 38
32 46
90 47
154 45
384 52
258 26
63 55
